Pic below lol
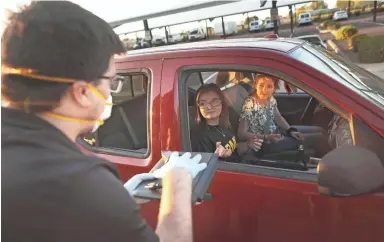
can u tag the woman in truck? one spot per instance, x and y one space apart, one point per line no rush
213 132
261 117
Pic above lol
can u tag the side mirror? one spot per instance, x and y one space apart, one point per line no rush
350 171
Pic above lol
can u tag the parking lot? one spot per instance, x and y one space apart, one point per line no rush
363 23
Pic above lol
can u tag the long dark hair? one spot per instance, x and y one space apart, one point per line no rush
224 116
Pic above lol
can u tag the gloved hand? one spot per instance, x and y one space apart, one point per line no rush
192 165
132 184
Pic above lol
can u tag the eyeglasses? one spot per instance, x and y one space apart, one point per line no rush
115 82
213 103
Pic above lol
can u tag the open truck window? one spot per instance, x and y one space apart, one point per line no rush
299 109
126 129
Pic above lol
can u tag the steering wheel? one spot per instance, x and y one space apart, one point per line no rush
306 116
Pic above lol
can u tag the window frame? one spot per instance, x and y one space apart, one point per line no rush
245 168
126 152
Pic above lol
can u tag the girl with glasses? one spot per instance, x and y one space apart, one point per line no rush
213 132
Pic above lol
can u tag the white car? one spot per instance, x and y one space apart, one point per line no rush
305 18
229 27
158 40
339 15
268 24
197 34
313 39
174 38
254 26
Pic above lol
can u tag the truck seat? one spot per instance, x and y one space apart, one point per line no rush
113 133
235 97
127 126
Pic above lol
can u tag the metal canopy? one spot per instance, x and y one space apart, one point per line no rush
187 8
217 16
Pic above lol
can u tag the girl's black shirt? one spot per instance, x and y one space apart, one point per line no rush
204 139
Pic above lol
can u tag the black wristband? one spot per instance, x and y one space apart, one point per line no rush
288 131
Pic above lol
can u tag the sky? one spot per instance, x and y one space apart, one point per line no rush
113 10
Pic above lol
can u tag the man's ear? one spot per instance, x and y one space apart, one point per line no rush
81 94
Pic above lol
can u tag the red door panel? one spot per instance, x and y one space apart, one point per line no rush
248 207
263 209
129 166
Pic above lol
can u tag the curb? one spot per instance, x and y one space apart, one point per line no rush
326 31
331 43
334 46
293 32
333 32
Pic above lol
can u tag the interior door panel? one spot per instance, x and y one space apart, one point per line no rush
291 106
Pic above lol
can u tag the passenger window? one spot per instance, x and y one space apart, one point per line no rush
126 129
282 89
322 128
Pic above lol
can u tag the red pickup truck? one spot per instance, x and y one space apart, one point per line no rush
156 108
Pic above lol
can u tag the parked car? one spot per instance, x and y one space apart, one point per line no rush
254 25
269 24
157 41
340 15
314 39
174 38
141 44
304 18
230 28
272 200
197 34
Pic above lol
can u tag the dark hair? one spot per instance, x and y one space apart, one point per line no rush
224 116
262 76
58 39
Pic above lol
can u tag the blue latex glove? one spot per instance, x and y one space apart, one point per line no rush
192 165
132 184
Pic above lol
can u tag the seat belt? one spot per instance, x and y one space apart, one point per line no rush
129 127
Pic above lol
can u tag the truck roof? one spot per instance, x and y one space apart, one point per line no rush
281 44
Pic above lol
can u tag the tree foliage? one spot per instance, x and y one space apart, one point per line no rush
317 5
249 19
354 3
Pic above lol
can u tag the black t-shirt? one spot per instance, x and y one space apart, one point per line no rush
205 137
51 191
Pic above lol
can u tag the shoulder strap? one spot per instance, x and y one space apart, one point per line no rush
268 122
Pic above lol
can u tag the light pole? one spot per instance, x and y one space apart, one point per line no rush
274 17
291 18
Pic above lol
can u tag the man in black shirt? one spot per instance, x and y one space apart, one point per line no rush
57 68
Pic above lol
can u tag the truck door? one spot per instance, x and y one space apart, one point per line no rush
262 203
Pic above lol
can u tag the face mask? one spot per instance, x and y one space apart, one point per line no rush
98 122
7 70
106 114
